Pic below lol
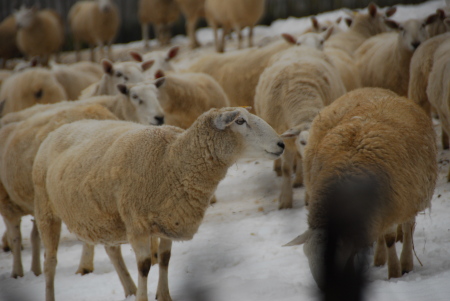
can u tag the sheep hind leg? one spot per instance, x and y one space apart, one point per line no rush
394 270
145 36
36 250
191 23
250 37
154 246
86 265
15 238
165 247
406 257
285 200
92 51
115 256
6 246
143 253
298 182
379 258
239 34
77 50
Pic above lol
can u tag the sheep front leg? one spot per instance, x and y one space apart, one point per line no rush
77 47
140 244
406 258
191 23
115 255
393 262
165 247
250 37
86 265
286 186
277 167
154 248
379 258
298 182
239 34
92 50
6 247
145 35
15 239
36 249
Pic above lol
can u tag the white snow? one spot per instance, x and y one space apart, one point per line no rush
237 253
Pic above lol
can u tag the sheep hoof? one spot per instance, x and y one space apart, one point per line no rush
16 275
394 273
284 206
84 271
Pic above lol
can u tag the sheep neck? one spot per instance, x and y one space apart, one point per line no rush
365 27
104 86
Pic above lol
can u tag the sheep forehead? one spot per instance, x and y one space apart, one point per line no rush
144 91
413 27
310 40
131 70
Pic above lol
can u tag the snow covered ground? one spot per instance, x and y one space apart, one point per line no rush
237 253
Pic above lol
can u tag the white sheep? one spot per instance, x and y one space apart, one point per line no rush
370 163
94 22
383 60
40 32
438 24
238 72
363 27
192 11
162 60
154 181
233 15
114 74
20 142
291 91
161 13
319 27
30 87
8 46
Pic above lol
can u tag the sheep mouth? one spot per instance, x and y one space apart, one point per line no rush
275 154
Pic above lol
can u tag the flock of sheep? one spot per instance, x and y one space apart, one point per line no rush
133 151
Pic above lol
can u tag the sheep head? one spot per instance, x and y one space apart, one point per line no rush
411 32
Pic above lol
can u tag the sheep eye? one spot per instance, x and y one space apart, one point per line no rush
39 93
135 96
119 74
240 121
140 101
321 42
303 142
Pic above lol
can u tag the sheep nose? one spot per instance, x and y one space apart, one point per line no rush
281 144
415 44
160 119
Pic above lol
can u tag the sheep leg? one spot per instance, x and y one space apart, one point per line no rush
286 186
250 37
6 246
154 246
277 167
145 35
216 35
92 50
298 182
399 233
36 249
140 244
191 23
225 31
15 238
393 262
379 258
165 247
406 258
445 140
86 265
239 34
77 50
115 255
159 31
109 50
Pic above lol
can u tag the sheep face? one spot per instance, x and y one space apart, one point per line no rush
25 16
412 33
310 39
162 60
259 139
122 73
145 101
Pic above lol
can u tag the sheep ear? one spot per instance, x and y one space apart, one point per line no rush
431 19
392 24
338 20
226 119
348 21
123 89
159 74
315 23
107 66
147 65
299 240
291 133
172 53
327 33
159 82
289 38
372 9
441 13
390 11
136 56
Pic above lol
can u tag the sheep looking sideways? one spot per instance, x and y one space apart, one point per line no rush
153 181
371 159
20 142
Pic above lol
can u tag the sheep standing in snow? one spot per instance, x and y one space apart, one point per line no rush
153 181
363 27
20 142
192 11
233 15
162 60
94 22
8 46
383 61
40 32
291 91
370 158
161 13
30 87
185 96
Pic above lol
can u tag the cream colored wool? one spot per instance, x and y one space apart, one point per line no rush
147 181
291 91
192 11
374 135
238 72
233 15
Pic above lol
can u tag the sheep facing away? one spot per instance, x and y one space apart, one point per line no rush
291 91
20 142
383 61
192 11
8 46
161 13
94 22
153 181
370 159
233 15
40 32
162 60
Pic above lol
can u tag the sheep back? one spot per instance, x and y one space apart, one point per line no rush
158 11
